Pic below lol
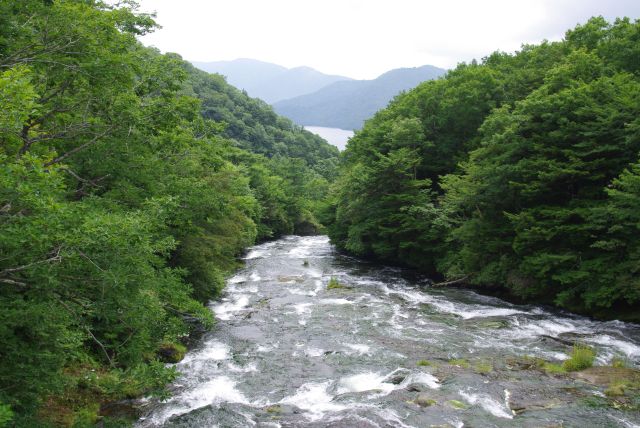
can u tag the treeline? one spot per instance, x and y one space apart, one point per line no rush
129 184
519 173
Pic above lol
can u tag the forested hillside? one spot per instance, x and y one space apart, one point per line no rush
519 173
129 184
251 123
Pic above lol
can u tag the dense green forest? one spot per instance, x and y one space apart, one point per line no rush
129 184
520 172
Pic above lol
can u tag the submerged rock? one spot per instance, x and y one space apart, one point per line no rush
538 397
292 278
493 324
282 409
459 405
423 400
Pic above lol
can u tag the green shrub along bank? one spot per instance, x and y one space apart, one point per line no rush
519 172
129 184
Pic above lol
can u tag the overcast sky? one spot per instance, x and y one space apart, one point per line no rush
364 38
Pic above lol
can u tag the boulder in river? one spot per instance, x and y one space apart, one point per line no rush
423 400
397 377
417 387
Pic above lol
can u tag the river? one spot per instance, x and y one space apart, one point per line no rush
288 352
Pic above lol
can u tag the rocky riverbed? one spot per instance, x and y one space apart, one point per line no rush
379 348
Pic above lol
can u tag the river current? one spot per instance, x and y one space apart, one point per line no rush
384 350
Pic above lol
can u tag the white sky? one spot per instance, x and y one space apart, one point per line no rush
364 38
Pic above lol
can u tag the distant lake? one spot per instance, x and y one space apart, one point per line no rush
336 136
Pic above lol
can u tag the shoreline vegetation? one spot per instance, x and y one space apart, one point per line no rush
518 173
131 182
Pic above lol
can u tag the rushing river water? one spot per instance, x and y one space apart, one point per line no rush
288 352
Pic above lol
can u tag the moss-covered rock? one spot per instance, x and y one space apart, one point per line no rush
459 362
459 405
334 284
423 400
171 352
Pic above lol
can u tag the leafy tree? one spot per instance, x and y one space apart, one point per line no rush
123 205
527 194
521 161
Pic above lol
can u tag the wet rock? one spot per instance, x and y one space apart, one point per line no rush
457 404
533 398
605 376
554 341
423 400
197 329
282 409
425 283
292 278
346 422
226 415
524 363
397 377
416 387
489 324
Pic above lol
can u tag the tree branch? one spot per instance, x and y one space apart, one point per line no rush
452 282
55 258
12 282
77 149
93 183
95 339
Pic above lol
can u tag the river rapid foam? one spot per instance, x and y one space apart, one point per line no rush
288 352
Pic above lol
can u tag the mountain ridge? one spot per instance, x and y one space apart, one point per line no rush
347 104
270 82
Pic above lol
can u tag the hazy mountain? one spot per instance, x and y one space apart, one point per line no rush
347 104
270 82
